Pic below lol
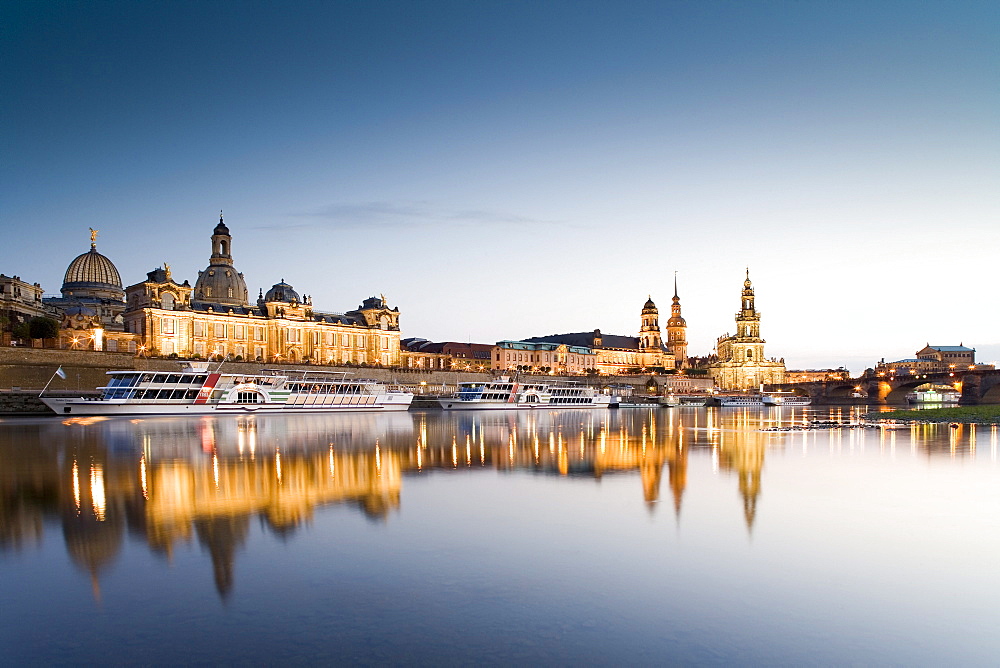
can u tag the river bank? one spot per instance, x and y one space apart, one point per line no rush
966 414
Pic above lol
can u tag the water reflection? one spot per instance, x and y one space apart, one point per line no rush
168 481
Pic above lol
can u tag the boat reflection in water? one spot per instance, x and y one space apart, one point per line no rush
171 481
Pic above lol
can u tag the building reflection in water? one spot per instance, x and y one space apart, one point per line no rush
177 480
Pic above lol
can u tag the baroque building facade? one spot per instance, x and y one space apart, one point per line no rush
215 319
740 363
613 354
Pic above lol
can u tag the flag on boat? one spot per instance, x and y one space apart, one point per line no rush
61 373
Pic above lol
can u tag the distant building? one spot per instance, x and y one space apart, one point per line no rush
544 357
816 375
933 359
616 354
740 363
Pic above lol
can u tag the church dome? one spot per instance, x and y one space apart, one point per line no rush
282 292
94 270
649 305
92 275
221 284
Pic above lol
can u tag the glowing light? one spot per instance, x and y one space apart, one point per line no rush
76 486
97 497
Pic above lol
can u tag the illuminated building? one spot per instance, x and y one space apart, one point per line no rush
214 319
558 358
741 364
934 359
616 354
92 304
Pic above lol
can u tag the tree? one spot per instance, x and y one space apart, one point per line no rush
43 328
21 331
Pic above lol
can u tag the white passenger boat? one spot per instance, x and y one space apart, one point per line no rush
741 400
194 390
506 394
785 399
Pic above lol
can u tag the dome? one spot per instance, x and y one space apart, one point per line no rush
221 284
649 305
94 270
282 292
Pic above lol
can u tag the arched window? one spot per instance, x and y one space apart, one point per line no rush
749 354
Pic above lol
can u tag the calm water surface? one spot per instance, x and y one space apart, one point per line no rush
683 536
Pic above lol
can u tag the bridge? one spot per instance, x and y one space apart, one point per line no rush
976 387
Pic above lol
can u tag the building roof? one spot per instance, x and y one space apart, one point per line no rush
282 292
586 340
92 270
951 349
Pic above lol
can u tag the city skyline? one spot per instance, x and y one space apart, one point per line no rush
507 170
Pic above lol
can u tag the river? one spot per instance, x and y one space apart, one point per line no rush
666 536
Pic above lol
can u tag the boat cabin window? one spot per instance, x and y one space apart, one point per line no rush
160 378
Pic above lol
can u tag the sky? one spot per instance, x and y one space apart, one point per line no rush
501 170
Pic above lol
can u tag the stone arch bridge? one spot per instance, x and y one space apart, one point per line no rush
976 387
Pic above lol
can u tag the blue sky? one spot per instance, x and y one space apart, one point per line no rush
508 169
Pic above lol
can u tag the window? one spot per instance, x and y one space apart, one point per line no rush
240 331
220 330
199 328
167 326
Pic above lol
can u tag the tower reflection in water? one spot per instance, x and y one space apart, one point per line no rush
175 480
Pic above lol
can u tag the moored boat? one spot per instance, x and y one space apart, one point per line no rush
194 390
507 394
785 399
740 400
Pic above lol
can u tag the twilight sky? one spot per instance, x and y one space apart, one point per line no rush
509 169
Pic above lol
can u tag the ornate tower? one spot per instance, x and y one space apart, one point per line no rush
649 333
748 320
220 283
677 331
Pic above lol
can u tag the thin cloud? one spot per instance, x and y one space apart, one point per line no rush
411 214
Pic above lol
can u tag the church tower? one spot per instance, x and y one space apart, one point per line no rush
677 331
649 333
741 363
